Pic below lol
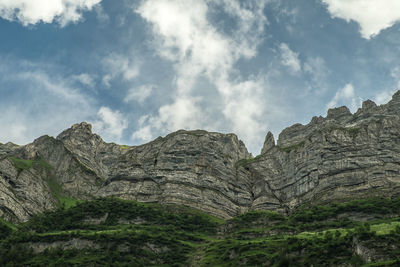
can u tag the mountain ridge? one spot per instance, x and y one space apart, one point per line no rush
339 156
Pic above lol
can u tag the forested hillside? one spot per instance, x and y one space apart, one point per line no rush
117 232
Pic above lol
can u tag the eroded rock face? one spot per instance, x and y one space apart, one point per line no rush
23 193
194 168
268 143
341 156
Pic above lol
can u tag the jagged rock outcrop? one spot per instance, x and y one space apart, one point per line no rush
195 168
337 157
268 143
23 192
342 156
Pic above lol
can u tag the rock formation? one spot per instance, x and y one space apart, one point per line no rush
341 156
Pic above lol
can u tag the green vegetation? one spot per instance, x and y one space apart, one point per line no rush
124 147
6 229
119 232
58 193
67 202
353 131
55 188
243 162
294 147
22 164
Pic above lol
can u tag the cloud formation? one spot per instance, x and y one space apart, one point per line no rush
30 12
139 94
39 101
110 124
289 58
385 96
85 79
372 16
316 68
199 49
345 97
119 66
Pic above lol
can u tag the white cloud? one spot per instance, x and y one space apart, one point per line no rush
101 15
117 65
316 68
57 87
110 124
384 96
139 94
345 96
144 133
244 107
289 58
16 131
30 12
38 101
85 79
395 73
372 16
182 113
199 50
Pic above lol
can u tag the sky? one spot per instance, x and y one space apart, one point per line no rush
139 69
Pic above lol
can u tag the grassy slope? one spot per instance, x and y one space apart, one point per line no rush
137 234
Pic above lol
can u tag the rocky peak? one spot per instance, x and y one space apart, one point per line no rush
268 143
80 134
8 148
368 104
290 134
339 114
393 107
216 142
368 107
396 96
317 120
76 130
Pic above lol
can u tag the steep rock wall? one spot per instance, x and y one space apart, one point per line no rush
337 157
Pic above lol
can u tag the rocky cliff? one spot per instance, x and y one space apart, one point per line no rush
340 156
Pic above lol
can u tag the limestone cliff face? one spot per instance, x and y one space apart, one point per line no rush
23 192
195 168
342 156
338 157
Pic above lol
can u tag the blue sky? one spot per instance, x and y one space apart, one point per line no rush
139 69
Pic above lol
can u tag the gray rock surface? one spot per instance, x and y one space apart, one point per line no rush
342 156
268 143
23 193
337 157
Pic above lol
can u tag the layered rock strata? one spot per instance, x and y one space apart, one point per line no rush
341 156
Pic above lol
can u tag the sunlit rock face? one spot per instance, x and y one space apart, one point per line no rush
337 157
